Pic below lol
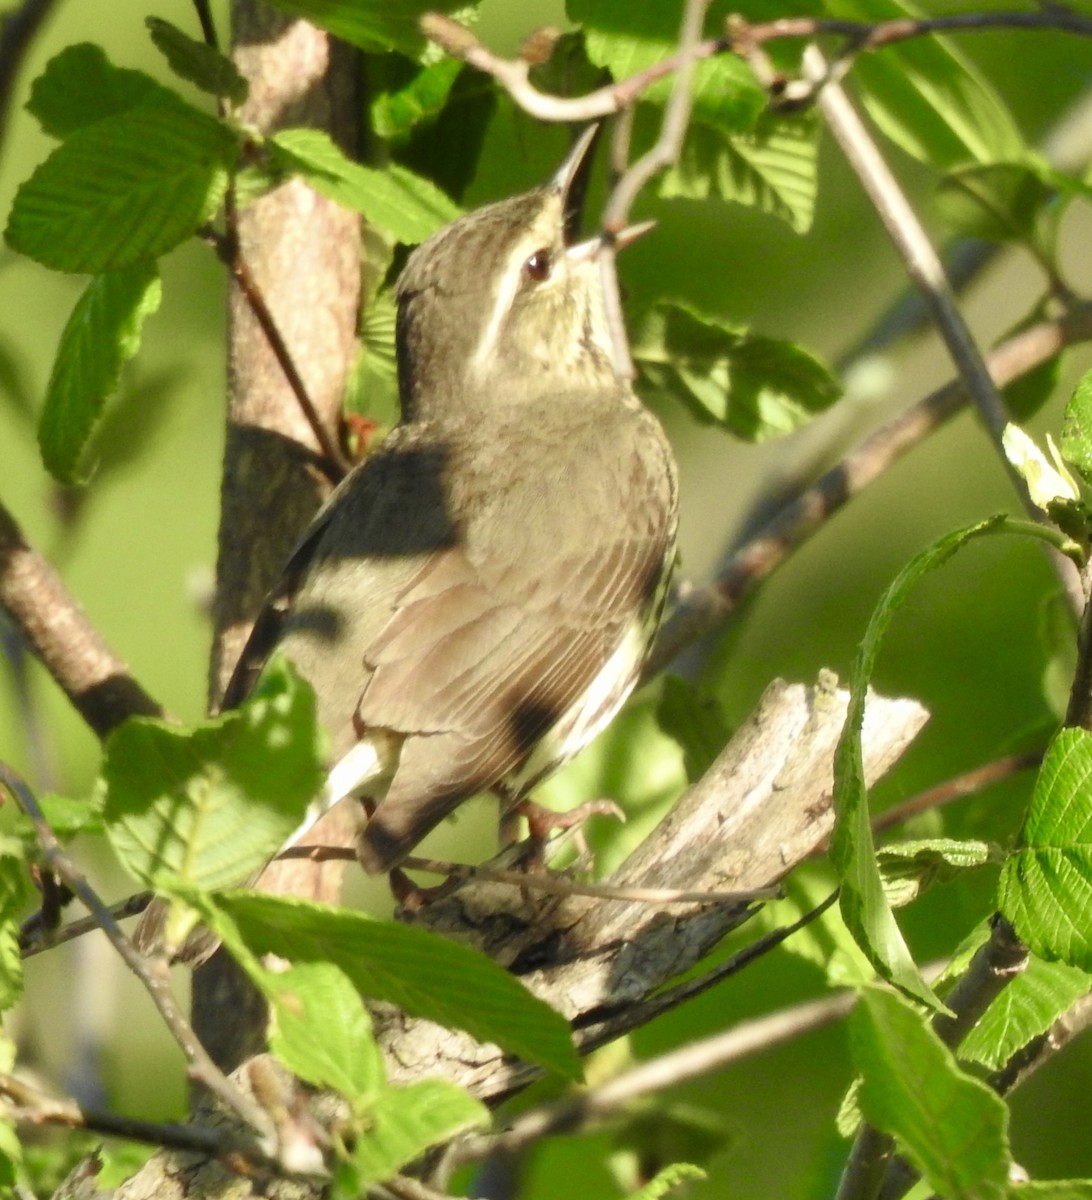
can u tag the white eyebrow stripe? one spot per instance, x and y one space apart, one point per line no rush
501 307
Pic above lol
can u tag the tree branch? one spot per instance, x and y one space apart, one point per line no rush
56 628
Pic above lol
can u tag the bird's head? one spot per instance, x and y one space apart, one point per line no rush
505 304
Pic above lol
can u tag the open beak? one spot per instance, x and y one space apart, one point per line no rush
571 180
583 251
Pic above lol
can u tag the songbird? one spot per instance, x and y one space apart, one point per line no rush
476 599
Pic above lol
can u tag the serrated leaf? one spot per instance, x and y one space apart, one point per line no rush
754 386
1026 1008
80 86
15 894
371 24
927 98
125 190
911 867
67 818
695 720
409 1121
198 63
102 334
864 906
952 1127
1046 882
772 169
416 970
205 807
373 387
321 1031
667 1179
404 205
1076 439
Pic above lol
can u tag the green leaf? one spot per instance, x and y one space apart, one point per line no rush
952 1127
80 86
205 807
911 867
409 1120
15 895
1052 1189
927 98
321 1031
1026 1008
1046 882
773 169
411 968
998 202
373 389
102 334
196 62
124 190
754 386
1076 441
865 909
67 818
404 205
695 720
667 1179
11 1147
372 24
397 111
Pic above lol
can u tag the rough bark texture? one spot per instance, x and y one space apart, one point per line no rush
763 806
303 251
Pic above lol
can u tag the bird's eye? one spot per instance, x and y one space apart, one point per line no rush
539 266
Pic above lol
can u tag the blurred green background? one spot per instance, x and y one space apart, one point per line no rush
140 556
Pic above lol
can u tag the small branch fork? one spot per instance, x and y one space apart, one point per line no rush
741 38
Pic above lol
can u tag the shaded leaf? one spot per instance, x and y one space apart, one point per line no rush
754 386
102 334
124 190
1076 439
370 24
416 970
952 1127
772 169
927 98
695 720
395 112
911 867
80 86
198 63
404 205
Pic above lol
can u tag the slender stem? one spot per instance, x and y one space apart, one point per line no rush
227 250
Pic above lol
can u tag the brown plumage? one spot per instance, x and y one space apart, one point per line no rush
475 601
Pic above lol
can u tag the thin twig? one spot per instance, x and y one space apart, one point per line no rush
202 1069
227 250
956 788
652 1077
921 261
513 74
17 31
605 1025
550 884
702 609
208 25
26 1103
34 939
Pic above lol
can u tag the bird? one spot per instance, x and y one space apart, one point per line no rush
475 601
